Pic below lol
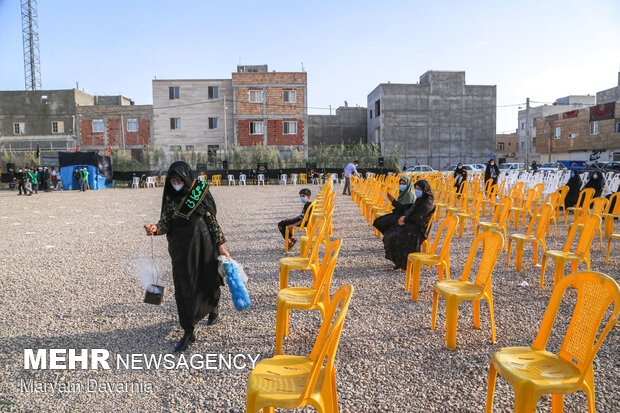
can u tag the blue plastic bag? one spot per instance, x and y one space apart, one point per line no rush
236 279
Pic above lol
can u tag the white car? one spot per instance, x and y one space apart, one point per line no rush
511 166
420 168
552 166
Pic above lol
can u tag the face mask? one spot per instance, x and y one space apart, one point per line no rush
402 188
572 175
303 199
492 163
459 167
418 193
177 187
595 176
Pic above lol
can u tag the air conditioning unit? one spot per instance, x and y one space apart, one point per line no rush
572 135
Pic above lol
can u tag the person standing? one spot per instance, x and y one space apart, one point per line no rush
460 176
195 239
77 178
492 172
34 180
47 177
534 166
54 178
348 170
21 182
84 179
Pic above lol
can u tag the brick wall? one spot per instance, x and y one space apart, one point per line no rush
270 77
276 105
244 107
275 135
87 136
243 134
113 130
142 136
579 125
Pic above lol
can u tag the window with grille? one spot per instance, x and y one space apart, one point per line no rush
98 125
19 128
58 126
256 128
256 96
557 133
132 125
593 128
289 127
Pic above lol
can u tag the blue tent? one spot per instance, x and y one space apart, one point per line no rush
97 165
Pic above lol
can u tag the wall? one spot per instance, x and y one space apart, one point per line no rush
347 126
112 134
609 95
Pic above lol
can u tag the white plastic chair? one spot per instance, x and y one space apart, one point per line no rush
261 178
201 178
335 178
150 182
282 180
242 179
135 182
231 178
294 179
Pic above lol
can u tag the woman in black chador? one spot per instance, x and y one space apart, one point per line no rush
574 187
188 218
460 176
491 172
596 182
406 198
408 236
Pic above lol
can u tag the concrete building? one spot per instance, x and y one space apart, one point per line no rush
116 126
192 114
564 104
506 147
609 95
347 126
44 118
270 108
439 121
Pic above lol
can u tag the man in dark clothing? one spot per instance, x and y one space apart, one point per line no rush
77 176
20 181
492 172
304 197
460 176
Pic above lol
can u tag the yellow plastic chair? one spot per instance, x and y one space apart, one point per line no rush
499 220
289 382
472 214
582 252
309 256
328 215
416 260
563 191
553 199
304 224
596 207
454 291
609 216
524 209
490 199
538 190
304 298
533 371
539 220
583 201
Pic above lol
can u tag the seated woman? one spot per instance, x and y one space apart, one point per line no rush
408 236
574 187
406 198
596 182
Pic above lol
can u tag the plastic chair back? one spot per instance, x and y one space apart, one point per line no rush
492 243
327 341
449 225
326 271
598 205
595 293
584 197
591 223
316 233
503 211
540 219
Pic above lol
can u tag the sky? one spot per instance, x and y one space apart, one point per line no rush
543 49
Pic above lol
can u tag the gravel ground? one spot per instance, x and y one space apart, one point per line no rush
68 265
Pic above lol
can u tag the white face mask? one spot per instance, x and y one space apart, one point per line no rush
177 187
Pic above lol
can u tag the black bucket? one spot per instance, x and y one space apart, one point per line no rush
154 294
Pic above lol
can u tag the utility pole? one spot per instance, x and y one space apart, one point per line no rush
527 132
30 39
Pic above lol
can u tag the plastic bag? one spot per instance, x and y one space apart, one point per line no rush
236 280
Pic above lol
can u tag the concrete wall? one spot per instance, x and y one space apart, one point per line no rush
439 122
347 126
609 95
194 108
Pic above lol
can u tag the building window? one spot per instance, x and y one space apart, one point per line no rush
175 123
189 148
132 125
618 127
212 123
98 125
370 114
175 148
500 146
256 128
19 128
557 133
173 92
256 96
378 108
214 92
58 126
289 96
522 125
289 127
44 99
572 135
534 132
593 128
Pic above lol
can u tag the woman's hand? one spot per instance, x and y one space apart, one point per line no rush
223 251
150 229
401 221
390 197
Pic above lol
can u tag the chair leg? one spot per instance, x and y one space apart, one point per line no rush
558 271
535 248
588 389
447 269
476 311
416 269
543 267
452 315
600 239
408 274
519 256
508 248
491 317
434 310
491 388
284 270
525 401
608 249
280 330
557 403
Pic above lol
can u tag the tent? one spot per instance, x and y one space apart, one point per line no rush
98 166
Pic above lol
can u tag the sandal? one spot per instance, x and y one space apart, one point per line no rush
291 242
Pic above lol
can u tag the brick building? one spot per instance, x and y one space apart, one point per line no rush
506 147
270 108
127 127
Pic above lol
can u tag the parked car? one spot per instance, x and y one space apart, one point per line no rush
420 168
511 166
468 168
480 166
574 165
612 167
552 166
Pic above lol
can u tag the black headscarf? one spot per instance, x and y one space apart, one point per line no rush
182 171
574 187
596 183
427 192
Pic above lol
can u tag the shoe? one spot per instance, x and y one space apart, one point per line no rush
212 319
291 243
186 340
